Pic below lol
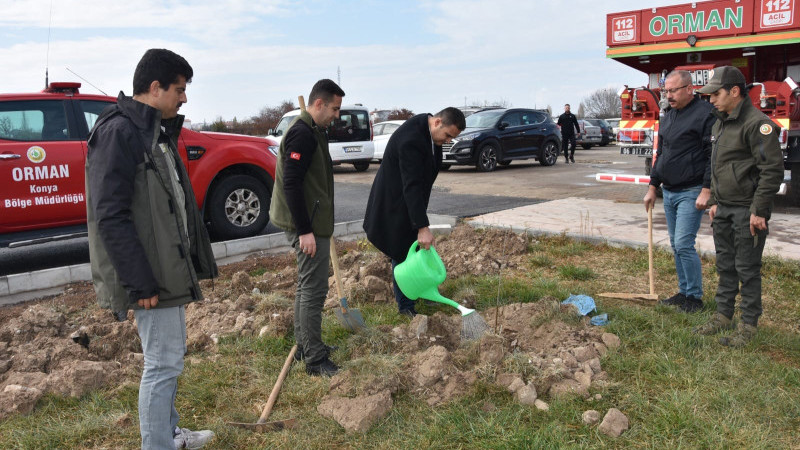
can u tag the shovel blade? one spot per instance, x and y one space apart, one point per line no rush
351 319
266 426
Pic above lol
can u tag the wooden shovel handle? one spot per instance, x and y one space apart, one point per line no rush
650 250
302 102
336 273
273 396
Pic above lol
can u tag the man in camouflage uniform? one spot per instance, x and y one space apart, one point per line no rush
746 172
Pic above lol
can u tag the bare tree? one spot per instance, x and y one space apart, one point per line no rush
259 125
400 114
269 117
501 103
602 104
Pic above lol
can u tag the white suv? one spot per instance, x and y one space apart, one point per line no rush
349 139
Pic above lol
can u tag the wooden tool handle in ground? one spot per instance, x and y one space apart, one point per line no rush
336 273
650 250
273 396
302 102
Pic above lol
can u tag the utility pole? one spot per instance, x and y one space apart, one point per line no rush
338 76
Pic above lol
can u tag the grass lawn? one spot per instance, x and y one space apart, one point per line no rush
678 390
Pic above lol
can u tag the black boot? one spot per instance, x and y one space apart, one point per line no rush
691 304
676 300
299 356
324 367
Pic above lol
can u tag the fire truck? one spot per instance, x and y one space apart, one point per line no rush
760 37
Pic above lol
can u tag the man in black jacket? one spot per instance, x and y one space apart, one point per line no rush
396 211
148 244
302 205
683 169
569 126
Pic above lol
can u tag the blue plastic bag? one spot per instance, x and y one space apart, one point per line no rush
584 303
600 320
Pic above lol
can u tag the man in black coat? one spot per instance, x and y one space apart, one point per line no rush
569 126
398 201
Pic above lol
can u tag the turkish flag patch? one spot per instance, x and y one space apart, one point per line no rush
295 155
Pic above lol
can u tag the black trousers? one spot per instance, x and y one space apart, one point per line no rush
568 144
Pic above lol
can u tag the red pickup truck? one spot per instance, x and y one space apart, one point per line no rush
43 152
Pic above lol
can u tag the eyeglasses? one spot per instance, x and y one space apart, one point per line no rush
674 90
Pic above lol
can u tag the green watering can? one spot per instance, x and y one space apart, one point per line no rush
420 275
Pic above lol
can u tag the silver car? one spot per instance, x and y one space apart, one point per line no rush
589 136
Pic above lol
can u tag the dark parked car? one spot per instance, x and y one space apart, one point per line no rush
606 131
499 136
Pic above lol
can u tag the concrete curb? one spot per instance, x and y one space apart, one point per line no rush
577 236
19 287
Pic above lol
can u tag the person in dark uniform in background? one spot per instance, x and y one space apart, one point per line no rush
569 126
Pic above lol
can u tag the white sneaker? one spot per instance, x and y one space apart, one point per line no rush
186 438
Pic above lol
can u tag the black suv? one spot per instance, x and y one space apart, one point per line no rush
499 136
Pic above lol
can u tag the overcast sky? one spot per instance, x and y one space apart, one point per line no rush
418 54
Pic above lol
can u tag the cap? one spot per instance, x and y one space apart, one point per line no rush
721 76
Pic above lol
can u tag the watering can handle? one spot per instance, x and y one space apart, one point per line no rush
413 249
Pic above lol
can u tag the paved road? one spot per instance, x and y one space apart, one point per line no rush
351 202
461 192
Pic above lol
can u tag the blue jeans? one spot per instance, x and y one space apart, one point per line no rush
163 334
683 221
403 302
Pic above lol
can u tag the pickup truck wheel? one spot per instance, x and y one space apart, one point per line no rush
238 207
361 166
586 146
487 158
549 154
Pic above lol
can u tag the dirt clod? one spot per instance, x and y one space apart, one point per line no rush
16 399
614 423
591 417
356 414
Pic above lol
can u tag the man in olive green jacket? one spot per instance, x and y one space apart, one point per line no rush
746 173
302 205
147 242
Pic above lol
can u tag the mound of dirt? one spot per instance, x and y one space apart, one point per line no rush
66 345
539 350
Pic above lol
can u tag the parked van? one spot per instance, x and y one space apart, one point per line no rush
349 136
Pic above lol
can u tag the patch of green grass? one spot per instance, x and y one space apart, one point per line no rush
540 259
576 273
679 390
255 273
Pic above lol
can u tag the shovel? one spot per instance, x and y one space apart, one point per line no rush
351 319
642 298
262 426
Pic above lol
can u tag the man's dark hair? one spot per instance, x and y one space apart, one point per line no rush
741 86
324 89
452 116
162 65
566 104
